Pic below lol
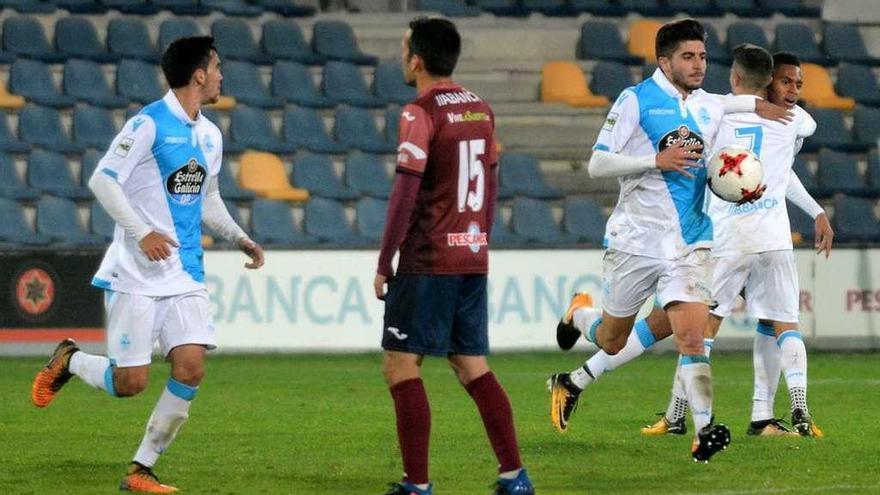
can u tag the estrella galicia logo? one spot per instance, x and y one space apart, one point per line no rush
682 133
185 184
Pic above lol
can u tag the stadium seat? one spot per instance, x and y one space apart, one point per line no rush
356 128
854 220
93 127
182 7
30 6
336 41
609 79
502 7
252 128
873 173
224 103
819 90
600 40
344 83
10 101
84 80
742 8
858 82
11 186
831 132
325 219
33 80
14 230
49 172
564 82
533 221
366 175
175 28
242 81
803 228
229 188
234 41
239 8
286 8
450 8
284 40
217 239
694 8
545 7
866 125
521 175
717 79
802 169
293 82
6 57
844 43
128 37
272 225
392 125
745 32
716 52
264 174
642 34
799 39
316 173
840 173
138 81
584 221
100 222
25 37
646 8
597 7
76 37
790 8
389 84
8 142
133 7
502 235
88 164
41 127
304 128
370 218
58 218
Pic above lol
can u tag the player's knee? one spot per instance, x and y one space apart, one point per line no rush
613 346
691 344
189 374
130 384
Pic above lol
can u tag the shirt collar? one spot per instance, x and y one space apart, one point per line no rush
173 103
666 85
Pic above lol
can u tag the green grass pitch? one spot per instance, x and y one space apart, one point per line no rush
317 424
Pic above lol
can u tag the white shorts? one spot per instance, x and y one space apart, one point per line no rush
768 281
135 322
629 280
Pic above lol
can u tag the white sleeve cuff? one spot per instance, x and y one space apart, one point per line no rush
797 194
738 103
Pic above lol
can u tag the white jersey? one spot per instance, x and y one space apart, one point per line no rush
162 160
763 225
659 214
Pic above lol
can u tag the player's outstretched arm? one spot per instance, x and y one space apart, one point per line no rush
216 216
797 194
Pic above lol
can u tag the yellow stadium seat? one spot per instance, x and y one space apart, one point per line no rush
819 90
564 82
223 103
642 38
264 174
8 100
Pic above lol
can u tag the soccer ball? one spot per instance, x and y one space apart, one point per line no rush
735 174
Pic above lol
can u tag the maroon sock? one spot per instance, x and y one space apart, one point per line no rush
413 427
497 417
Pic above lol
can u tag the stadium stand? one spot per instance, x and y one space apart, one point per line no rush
642 34
138 81
33 80
840 173
100 222
14 230
242 81
25 37
746 32
799 39
230 189
336 41
76 37
304 128
174 28
609 79
41 127
344 83
370 218
49 172
520 175
273 226
264 174
819 89
356 128
252 128
284 40
844 43
93 127
85 81
8 142
600 40
234 41
325 219
584 221
866 125
859 83
831 132
389 85
533 221
316 173
293 82
854 220
129 38
564 82
58 219
11 185
366 175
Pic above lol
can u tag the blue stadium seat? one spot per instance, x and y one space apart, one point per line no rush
344 83
859 82
100 222
370 218
790 8
242 81
843 42
745 32
272 225
694 8
647 8
716 52
175 28
521 175
33 80
802 169
304 128
284 40
450 8
326 220
293 82
502 7
392 125
801 224
717 79
316 173
82 6
600 40
182 7
799 39
58 218
30 6
533 221
127 37
831 132
133 7
93 127
742 8
219 240
356 128
41 127
234 41
84 80
25 37
609 79
584 221
138 81
840 173
336 41
76 37
229 188
502 235
874 172
597 7
389 84
11 186
854 220
546 7
239 8
366 174
88 164
286 8
14 230
49 172
252 128
866 125
8 142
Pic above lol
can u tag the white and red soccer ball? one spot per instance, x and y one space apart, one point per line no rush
735 174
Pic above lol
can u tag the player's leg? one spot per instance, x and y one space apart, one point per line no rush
765 361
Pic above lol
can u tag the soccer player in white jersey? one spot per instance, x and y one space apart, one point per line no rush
658 236
158 181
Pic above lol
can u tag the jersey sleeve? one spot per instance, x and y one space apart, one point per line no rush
414 140
129 148
620 124
806 125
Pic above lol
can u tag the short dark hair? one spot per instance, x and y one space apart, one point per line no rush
437 42
184 56
754 64
673 33
786 58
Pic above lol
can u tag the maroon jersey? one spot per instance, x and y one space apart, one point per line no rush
447 136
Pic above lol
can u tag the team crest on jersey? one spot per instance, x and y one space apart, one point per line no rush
185 184
682 133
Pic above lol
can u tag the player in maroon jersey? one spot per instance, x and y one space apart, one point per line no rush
439 217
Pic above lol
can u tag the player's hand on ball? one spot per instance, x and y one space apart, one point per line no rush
379 286
157 246
678 156
771 111
254 251
824 235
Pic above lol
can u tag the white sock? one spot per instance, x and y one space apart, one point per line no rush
423 486
640 339
793 359
508 475
168 416
678 404
94 370
696 375
584 318
765 359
